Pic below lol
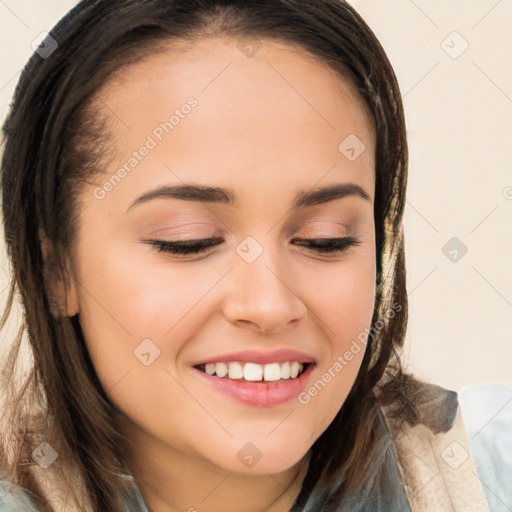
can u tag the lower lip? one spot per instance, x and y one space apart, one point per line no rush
261 394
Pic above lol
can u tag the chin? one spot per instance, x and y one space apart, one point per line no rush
262 457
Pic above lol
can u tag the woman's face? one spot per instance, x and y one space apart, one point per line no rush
253 134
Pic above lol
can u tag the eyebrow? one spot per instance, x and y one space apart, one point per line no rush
216 195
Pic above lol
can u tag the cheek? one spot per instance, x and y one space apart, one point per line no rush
142 295
124 301
344 303
343 297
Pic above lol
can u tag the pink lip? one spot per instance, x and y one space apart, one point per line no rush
253 356
261 394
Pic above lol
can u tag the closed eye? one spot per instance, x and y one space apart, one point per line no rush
328 245
187 247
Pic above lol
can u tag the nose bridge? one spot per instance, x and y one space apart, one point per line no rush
263 294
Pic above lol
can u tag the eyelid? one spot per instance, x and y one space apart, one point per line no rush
191 228
323 228
327 246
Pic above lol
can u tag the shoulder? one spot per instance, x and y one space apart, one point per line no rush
487 413
431 446
410 402
134 501
13 498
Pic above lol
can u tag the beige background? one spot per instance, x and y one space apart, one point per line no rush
459 113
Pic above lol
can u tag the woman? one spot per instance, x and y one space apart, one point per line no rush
203 208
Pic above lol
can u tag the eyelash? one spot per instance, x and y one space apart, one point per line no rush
329 246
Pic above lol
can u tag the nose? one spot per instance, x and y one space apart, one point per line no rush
263 298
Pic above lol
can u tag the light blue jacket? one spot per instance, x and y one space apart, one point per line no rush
487 413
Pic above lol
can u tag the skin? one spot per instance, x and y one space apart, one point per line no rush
266 127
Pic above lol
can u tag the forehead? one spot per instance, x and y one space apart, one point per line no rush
278 117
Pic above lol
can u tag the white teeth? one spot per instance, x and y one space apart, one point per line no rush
285 371
255 372
221 369
235 371
272 372
294 369
209 368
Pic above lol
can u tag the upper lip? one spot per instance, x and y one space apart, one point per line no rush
258 356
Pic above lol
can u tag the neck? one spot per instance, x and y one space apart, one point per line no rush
173 480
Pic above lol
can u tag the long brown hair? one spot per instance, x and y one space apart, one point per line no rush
55 143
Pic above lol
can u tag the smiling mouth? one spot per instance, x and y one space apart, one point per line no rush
254 372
